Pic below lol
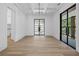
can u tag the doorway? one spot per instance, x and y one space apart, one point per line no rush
68 26
10 25
9 21
39 27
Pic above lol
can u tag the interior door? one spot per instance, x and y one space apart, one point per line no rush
42 28
39 27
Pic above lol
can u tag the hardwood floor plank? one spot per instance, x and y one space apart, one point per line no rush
38 46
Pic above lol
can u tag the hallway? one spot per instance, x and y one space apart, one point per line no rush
38 45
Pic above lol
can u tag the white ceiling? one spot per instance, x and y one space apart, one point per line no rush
39 7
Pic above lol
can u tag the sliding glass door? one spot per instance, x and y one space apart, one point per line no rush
72 26
67 26
64 27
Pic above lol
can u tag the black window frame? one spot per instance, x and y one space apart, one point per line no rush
74 5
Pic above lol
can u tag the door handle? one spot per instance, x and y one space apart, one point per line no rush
67 31
39 28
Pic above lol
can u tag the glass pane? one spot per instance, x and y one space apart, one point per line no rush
36 26
64 27
41 27
41 22
36 32
72 26
41 33
36 22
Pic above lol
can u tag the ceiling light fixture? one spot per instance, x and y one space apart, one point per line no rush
39 8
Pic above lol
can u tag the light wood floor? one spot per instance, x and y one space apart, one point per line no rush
38 46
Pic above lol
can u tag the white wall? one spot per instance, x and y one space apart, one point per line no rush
48 25
21 24
56 26
3 27
29 25
77 27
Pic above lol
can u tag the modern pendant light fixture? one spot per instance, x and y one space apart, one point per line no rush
39 8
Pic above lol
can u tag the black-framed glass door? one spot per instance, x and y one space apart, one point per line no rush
68 26
72 26
64 27
39 27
